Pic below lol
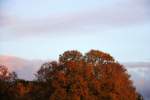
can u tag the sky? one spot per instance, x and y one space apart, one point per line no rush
43 29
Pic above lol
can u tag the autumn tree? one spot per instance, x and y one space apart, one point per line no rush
113 77
93 76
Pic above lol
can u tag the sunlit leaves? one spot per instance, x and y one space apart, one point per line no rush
93 76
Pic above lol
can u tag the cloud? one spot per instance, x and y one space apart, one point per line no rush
107 17
139 72
23 67
127 13
146 90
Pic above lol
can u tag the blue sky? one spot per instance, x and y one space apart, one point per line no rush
43 29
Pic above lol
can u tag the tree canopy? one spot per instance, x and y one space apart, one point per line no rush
94 75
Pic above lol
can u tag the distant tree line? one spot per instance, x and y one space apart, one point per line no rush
92 76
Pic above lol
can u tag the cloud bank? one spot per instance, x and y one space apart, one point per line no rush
23 67
118 14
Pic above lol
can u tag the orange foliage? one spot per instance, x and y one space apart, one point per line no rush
95 76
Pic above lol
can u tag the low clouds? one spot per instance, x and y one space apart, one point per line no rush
23 67
139 72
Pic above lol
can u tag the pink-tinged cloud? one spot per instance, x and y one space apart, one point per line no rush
24 68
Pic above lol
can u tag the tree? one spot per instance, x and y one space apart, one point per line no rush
5 75
93 76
